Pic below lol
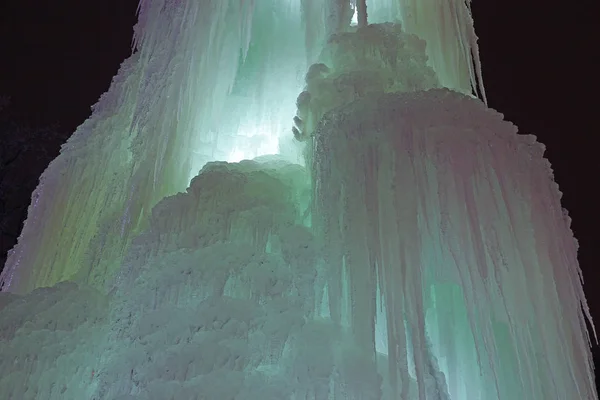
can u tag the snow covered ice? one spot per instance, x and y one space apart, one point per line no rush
404 242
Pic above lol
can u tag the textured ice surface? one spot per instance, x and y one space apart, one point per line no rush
379 58
436 264
439 217
421 252
51 342
209 80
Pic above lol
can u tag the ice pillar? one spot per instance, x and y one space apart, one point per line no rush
161 121
162 118
437 246
456 251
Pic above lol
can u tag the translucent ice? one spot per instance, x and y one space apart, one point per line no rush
418 250
445 236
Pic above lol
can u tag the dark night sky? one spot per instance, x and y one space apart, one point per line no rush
56 58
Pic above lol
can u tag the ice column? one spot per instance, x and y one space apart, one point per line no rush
446 227
210 80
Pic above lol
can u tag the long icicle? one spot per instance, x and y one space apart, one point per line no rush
362 13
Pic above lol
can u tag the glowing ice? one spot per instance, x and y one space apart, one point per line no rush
419 251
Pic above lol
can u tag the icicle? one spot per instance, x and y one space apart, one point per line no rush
361 10
437 262
447 27
161 111
469 248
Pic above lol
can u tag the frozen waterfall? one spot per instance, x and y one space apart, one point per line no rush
276 200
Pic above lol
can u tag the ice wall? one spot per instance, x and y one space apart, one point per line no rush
210 80
159 123
446 245
419 253
214 300
436 263
448 29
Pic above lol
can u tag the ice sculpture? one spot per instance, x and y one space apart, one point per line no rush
407 244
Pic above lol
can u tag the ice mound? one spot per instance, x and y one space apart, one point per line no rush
51 341
230 312
420 253
415 259
378 58
447 246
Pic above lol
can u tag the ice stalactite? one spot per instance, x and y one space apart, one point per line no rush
162 118
448 29
161 121
419 253
454 219
361 12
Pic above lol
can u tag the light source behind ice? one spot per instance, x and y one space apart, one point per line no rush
428 271
199 70
419 253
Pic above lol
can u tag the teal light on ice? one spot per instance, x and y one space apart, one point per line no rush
391 238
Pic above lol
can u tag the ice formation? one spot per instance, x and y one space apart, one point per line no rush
406 244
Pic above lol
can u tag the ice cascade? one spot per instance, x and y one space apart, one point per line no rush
401 242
